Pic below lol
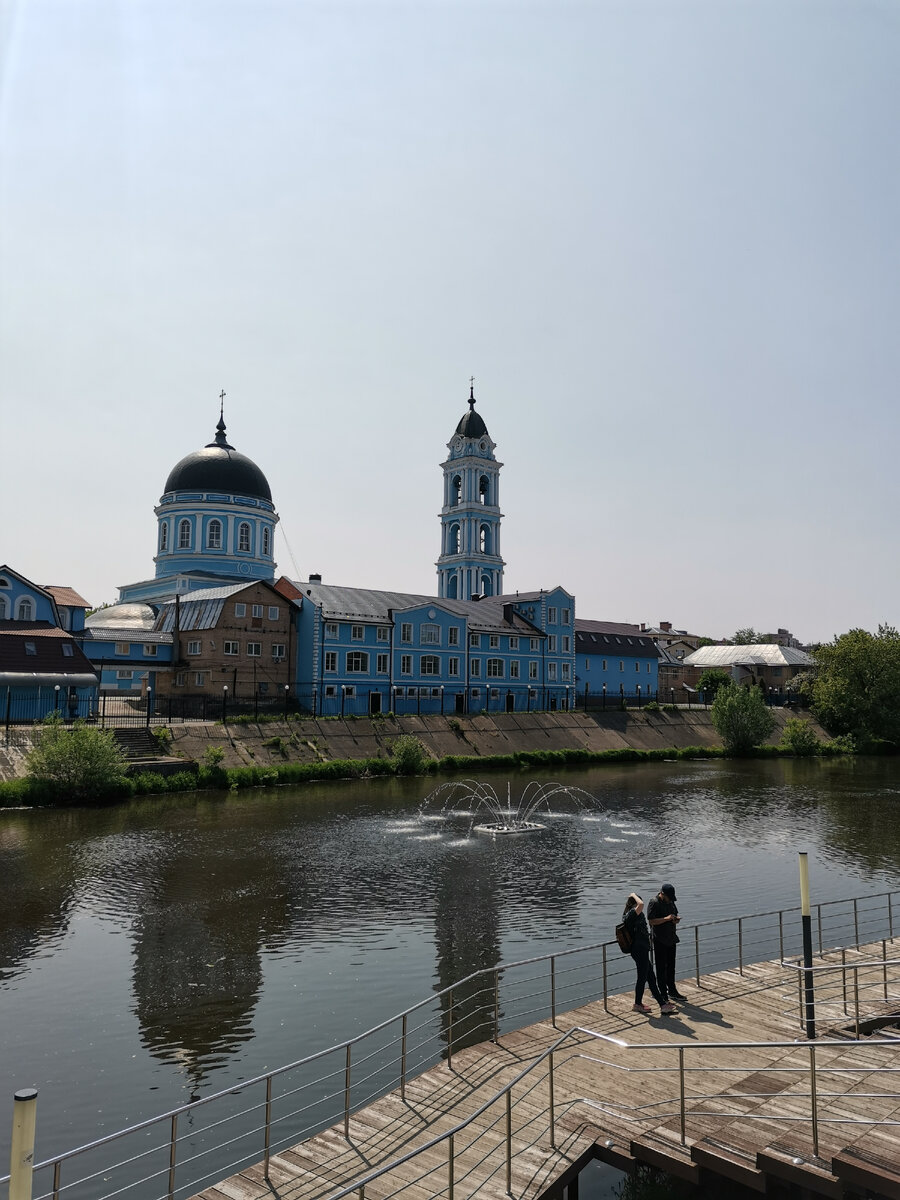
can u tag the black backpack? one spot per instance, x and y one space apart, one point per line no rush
623 937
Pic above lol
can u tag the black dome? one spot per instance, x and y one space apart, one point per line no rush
218 467
471 424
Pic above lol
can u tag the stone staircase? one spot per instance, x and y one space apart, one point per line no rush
141 751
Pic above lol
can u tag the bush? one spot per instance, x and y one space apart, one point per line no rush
799 737
212 756
162 735
408 755
740 718
72 764
711 681
653 706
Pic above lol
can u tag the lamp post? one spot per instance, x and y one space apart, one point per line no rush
224 703
56 699
287 692
810 1000
394 690
442 699
604 697
149 705
343 694
530 694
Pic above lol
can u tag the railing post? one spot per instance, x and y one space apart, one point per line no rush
605 990
21 1154
496 1007
884 967
268 1127
450 1033
844 975
800 994
890 917
812 1097
697 953
347 1095
403 1059
553 990
57 1180
856 998
552 1113
173 1140
681 1090
819 908
855 923
450 1167
740 946
509 1142
781 937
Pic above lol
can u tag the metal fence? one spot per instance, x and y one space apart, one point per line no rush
183 1150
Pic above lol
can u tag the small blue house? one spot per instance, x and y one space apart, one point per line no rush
614 660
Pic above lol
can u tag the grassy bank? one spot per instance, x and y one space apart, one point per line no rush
207 777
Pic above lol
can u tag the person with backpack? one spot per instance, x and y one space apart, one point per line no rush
638 930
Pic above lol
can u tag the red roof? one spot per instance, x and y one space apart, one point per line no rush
67 596
40 648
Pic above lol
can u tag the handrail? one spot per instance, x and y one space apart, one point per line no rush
484 972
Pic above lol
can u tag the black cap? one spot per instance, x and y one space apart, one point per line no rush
668 889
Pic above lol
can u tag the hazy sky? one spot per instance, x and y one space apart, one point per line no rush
662 236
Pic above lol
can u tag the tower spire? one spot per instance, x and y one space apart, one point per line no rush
220 427
472 390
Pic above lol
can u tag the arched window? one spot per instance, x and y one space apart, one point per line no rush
357 660
244 537
267 542
164 536
25 609
484 539
487 588
3 609
456 489
453 588
483 489
453 543
184 535
214 535
429 664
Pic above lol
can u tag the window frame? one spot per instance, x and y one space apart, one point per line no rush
357 662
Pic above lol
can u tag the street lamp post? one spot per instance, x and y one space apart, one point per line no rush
442 699
56 699
287 692
224 703
149 705
343 695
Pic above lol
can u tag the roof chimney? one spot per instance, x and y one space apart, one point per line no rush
665 626
315 579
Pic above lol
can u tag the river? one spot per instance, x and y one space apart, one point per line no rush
167 948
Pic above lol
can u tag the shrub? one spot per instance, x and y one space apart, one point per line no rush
71 764
669 707
162 735
844 743
799 737
276 743
740 718
408 755
212 756
653 706
711 681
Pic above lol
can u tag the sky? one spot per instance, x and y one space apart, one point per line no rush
663 238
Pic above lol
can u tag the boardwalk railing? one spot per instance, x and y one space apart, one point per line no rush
849 989
186 1148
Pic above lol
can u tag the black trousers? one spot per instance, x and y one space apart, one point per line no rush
645 976
665 966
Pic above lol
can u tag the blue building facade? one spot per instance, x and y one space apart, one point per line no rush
614 660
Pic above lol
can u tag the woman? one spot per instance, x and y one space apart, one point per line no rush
639 931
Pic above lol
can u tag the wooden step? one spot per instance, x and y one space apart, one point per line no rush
730 1162
668 1156
862 1169
779 1161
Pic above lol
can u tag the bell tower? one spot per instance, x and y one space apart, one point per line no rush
470 562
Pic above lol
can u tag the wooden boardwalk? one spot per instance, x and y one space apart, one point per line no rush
747 1110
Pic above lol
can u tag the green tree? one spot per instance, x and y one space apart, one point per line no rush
409 755
740 718
857 685
711 680
747 637
799 737
75 763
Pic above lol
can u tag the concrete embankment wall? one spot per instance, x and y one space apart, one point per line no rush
311 740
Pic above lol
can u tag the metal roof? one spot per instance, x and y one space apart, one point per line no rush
126 633
629 644
769 655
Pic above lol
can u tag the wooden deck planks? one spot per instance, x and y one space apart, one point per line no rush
615 1103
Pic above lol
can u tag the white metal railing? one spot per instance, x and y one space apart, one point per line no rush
190 1150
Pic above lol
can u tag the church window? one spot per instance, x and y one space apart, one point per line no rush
254 649
453 635
381 664
495 668
273 612
487 587
453 666
483 489
69 650
194 648
452 588
30 648
214 536
244 538
484 539
475 668
453 540
430 635
164 536
357 633
429 664
331 660
406 631
267 542
232 647
123 648
25 609
456 492
240 610
184 535
357 661
406 664
3 608
514 669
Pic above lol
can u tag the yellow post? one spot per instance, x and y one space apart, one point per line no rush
21 1154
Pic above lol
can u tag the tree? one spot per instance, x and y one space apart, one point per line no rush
747 637
740 718
710 681
75 763
857 686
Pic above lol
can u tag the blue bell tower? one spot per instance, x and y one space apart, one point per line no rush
470 562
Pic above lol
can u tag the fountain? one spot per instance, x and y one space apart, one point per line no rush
508 818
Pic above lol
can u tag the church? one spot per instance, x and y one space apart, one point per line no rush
215 618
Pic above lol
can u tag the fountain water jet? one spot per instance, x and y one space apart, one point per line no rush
508 818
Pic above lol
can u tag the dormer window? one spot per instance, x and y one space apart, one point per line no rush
25 609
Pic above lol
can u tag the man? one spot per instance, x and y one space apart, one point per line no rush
663 919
